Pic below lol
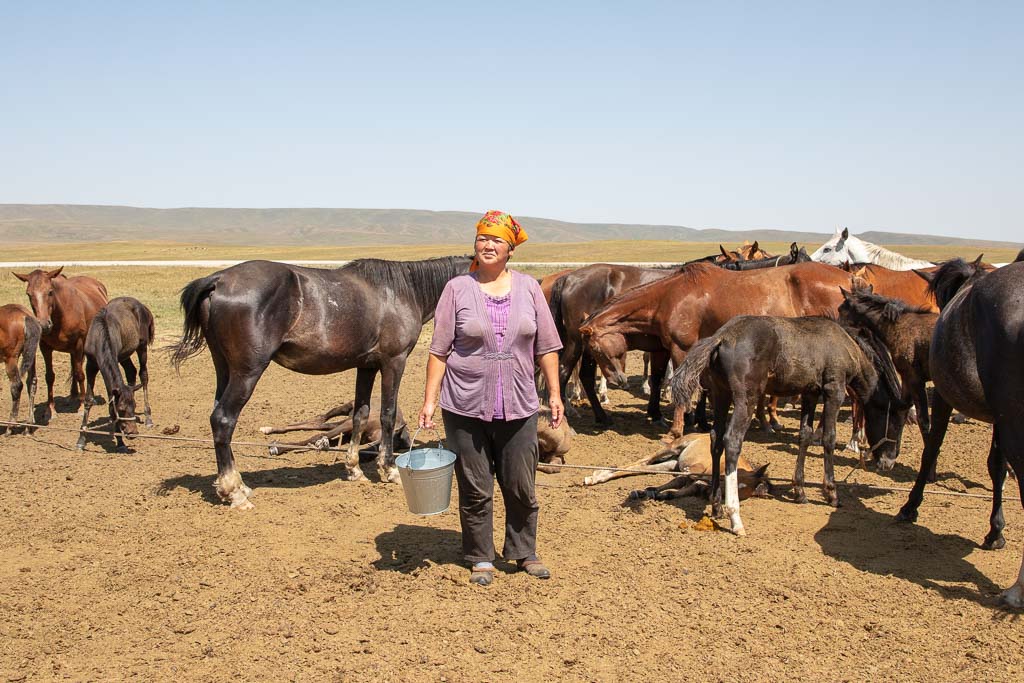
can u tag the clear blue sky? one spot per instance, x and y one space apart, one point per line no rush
901 116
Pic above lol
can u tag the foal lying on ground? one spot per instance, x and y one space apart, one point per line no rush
690 455
338 433
812 357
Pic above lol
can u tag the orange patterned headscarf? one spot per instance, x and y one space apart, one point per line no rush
500 225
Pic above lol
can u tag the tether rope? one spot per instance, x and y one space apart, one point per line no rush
632 470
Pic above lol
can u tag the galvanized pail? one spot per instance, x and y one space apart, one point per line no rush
427 478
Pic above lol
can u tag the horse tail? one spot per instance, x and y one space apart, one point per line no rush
192 340
555 305
686 379
33 332
150 326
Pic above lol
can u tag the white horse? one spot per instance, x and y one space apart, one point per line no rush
844 247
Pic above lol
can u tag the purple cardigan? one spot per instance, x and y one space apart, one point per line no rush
463 332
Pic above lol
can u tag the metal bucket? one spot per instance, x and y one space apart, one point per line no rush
427 479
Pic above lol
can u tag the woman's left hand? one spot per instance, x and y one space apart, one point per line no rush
557 410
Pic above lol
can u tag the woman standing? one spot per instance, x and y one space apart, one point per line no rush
490 328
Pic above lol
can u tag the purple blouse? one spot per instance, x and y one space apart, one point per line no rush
479 363
497 311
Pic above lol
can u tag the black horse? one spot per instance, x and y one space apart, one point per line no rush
813 357
365 315
121 328
977 365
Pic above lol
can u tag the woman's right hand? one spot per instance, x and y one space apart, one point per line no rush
426 420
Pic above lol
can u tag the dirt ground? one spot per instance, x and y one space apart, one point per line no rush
125 565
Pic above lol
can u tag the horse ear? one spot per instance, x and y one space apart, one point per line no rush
846 294
794 249
137 386
724 252
928 277
755 247
54 273
977 261
23 278
846 233
586 330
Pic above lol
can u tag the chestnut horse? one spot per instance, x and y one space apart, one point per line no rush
64 307
19 337
670 315
977 365
365 315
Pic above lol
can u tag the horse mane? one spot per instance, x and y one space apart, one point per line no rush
890 259
692 273
949 278
420 282
107 359
1020 256
878 356
865 302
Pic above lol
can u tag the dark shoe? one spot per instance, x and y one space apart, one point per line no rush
534 568
482 576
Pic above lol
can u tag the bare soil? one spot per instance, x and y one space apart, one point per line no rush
126 565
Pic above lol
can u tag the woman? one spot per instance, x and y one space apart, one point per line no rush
490 328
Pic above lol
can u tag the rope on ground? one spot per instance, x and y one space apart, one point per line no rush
633 470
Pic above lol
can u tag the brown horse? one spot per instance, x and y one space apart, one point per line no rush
64 307
118 330
671 314
365 315
19 337
904 285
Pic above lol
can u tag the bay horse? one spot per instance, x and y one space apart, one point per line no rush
796 255
906 332
977 366
19 339
672 314
64 307
807 356
844 247
366 315
122 328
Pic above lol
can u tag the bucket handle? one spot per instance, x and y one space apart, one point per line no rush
412 441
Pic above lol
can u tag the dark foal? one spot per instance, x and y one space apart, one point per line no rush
977 364
124 327
19 339
365 315
906 332
810 357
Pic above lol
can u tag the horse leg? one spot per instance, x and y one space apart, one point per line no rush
588 370
78 374
365 378
651 462
390 381
659 363
737 429
721 409
645 385
91 368
921 402
941 412
14 376
997 471
807 404
1011 448
50 377
143 354
762 420
602 390
223 419
858 434
833 394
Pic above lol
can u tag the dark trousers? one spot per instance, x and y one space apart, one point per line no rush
506 449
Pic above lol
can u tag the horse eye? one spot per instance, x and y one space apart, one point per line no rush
826 250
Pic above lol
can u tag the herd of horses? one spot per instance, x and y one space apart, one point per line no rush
740 327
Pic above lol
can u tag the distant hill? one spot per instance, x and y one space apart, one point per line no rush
353 227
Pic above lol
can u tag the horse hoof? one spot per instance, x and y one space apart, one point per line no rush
391 476
994 544
241 503
149 423
355 475
906 515
637 495
266 430
739 531
1013 596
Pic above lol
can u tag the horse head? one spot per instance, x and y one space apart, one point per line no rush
609 350
122 409
837 250
885 410
41 295
753 251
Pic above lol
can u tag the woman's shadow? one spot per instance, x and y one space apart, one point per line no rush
875 542
409 547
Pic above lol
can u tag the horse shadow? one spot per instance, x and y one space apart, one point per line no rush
409 547
875 542
285 477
